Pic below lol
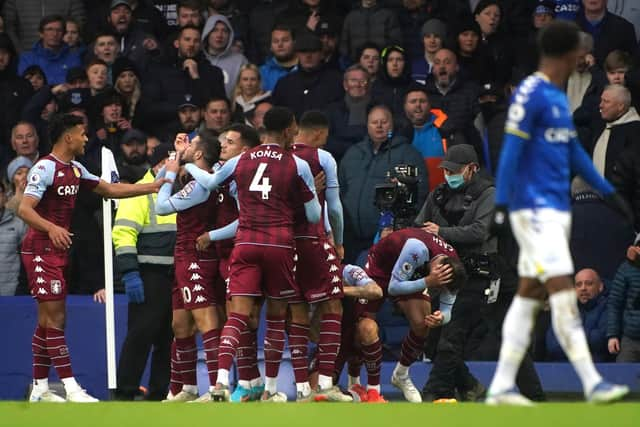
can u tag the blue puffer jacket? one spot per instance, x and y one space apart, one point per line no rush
54 64
271 72
594 322
624 303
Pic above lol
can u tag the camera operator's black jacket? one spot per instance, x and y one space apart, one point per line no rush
463 215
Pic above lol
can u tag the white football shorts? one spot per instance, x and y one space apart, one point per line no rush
543 237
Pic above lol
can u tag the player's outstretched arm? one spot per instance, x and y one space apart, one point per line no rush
60 237
120 190
223 233
414 254
211 181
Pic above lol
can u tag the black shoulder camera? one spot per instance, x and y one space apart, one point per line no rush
399 195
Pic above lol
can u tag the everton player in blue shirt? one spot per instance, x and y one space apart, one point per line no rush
539 156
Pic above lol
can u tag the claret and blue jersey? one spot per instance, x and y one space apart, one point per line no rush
541 150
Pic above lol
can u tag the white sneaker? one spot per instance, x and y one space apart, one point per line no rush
183 396
333 394
80 396
169 398
405 385
205 398
277 397
509 397
44 396
606 392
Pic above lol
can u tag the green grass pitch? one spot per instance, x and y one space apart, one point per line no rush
16 414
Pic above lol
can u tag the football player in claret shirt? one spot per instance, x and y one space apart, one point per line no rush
194 298
406 264
540 154
271 184
53 184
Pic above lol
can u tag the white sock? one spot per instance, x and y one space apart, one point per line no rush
256 382
304 387
246 384
41 385
270 385
400 370
212 388
325 382
190 388
567 326
516 337
353 380
70 384
374 387
223 377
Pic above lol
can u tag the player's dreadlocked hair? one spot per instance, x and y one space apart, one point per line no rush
558 38
60 124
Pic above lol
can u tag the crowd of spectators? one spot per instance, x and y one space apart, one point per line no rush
400 81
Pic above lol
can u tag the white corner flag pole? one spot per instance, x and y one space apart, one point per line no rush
108 168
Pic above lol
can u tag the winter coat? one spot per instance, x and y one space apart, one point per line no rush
228 61
305 90
613 32
361 169
342 135
271 72
12 230
22 17
594 323
376 24
624 303
54 64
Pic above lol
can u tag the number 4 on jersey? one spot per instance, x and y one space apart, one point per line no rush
260 183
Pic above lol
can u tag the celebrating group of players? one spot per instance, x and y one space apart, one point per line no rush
253 230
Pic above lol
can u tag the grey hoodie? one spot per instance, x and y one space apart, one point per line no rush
229 62
12 230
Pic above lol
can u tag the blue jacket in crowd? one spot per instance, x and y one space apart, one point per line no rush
271 71
54 64
594 322
624 303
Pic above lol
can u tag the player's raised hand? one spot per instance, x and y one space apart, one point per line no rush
500 222
172 164
203 241
60 237
434 320
181 142
439 276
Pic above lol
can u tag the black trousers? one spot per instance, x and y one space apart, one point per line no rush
470 313
149 326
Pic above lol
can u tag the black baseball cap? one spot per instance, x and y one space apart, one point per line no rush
326 27
189 100
458 156
308 43
116 3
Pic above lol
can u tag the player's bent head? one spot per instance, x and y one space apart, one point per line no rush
60 124
278 119
558 38
459 273
313 120
249 137
207 143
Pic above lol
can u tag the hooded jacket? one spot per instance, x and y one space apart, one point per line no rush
228 61
13 230
54 64
391 90
359 172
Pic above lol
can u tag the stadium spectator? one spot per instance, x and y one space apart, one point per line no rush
105 47
149 19
189 13
421 126
369 22
392 82
217 39
131 159
283 59
249 91
592 303
17 179
489 14
460 211
609 31
73 36
217 114
126 81
312 86
25 141
98 76
328 34
458 98
108 121
21 18
256 116
348 117
35 76
304 16
411 18
145 260
434 33
188 73
236 18
12 231
475 62
369 58
134 43
50 53
363 166
525 47
623 327
587 77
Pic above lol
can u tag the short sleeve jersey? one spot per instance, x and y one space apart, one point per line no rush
384 254
194 221
270 190
302 227
56 184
